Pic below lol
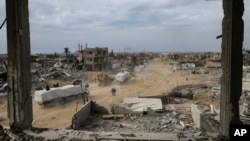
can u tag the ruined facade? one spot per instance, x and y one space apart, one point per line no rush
93 59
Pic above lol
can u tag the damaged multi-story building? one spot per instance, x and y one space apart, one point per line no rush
93 59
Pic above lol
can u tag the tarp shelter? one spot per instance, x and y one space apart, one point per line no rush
141 104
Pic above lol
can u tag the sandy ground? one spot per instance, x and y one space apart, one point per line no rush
157 78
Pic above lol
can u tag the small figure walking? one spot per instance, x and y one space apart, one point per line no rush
47 87
113 91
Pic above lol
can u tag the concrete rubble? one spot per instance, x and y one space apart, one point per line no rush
44 134
167 122
245 107
96 59
170 117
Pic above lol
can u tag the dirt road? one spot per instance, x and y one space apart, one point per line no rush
157 78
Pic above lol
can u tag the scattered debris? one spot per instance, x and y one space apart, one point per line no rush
4 135
140 114
113 116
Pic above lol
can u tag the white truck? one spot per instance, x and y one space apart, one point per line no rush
123 76
61 93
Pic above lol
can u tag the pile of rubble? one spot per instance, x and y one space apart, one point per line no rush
245 106
196 93
206 93
3 134
167 122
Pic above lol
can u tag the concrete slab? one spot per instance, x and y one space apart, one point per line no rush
81 115
141 104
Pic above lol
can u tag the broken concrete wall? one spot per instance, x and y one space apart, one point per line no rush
204 121
196 115
80 116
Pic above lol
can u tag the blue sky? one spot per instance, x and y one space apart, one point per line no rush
158 25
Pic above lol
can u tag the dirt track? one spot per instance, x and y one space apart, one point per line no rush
157 78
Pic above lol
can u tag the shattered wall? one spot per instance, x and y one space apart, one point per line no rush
204 121
80 116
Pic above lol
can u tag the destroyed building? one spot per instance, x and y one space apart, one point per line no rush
93 59
20 102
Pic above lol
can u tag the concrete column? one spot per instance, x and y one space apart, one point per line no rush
231 86
19 76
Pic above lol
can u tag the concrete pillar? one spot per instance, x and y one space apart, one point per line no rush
231 86
19 76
